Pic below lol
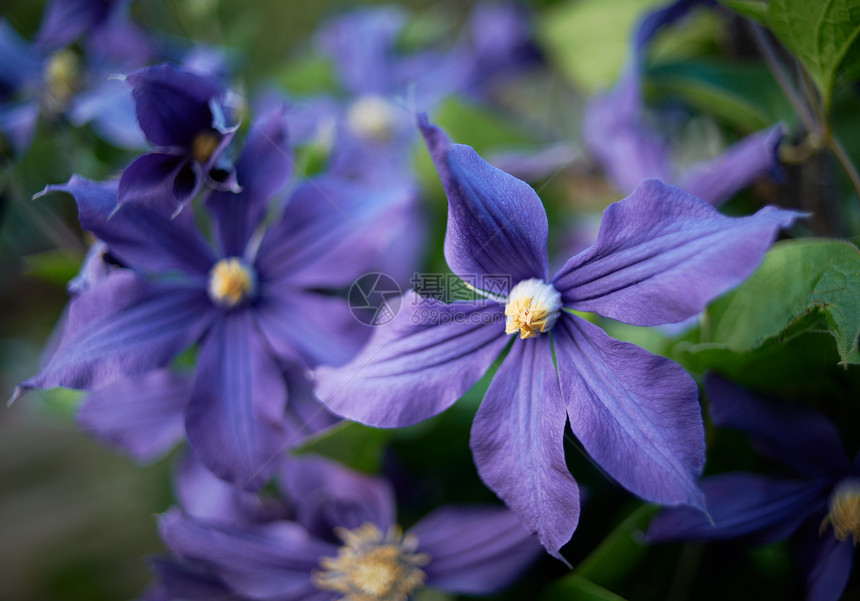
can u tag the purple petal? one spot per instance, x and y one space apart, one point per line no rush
18 125
158 178
305 416
141 415
517 443
121 327
474 550
109 108
234 416
19 61
187 581
496 223
717 180
799 438
740 504
635 413
272 561
417 365
64 21
263 171
327 495
831 569
662 254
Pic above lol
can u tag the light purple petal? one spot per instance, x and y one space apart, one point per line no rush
267 562
141 415
109 108
121 327
662 254
327 495
305 416
635 413
263 171
417 365
234 416
831 570
517 442
718 179
496 223
474 550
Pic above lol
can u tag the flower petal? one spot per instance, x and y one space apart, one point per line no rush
474 550
496 223
237 406
141 415
662 254
517 443
635 413
417 365
64 21
831 569
184 580
156 178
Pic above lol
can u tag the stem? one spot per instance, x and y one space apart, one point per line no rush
843 158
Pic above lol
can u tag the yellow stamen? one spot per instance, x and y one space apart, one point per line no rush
844 513
62 79
533 307
204 145
230 282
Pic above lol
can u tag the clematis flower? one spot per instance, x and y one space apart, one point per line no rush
660 256
251 304
620 133
819 507
338 541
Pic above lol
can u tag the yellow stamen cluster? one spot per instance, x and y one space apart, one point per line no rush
844 513
204 145
372 566
62 79
372 117
230 282
532 308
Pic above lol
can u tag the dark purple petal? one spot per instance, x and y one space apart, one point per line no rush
187 581
718 179
234 416
327 495
832 565
152 178
309 328
474 550
141 415
417 365
172 105
121 327
64 21
143 236
517 442
652 22
272 561
740 504
263 171
801 439
496 223
662 254
635 413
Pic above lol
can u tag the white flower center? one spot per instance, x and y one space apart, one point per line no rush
231 281
372 117
533 307
371 566
844 513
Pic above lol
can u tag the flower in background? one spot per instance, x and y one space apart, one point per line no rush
660 256
819 507
620 133
253 304
335 537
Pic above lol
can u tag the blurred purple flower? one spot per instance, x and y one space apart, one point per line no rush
337 539
660 256
252 304
620 133
819 507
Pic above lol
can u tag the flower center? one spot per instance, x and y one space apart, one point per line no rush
204 145
231 281
62 79
533 307
844 513
372 117
372 566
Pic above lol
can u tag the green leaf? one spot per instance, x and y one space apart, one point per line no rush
577 588
755 11
354 445
800 283
54 266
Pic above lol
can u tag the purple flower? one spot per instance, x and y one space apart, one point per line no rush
252 304
619 132
819 507
661 254
339 540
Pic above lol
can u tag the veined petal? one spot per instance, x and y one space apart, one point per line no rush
635 413
718 179
305 416
417 365
237 406
141 415
157 180
741 504
122 326
517 443
496 223
662 254
474 550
